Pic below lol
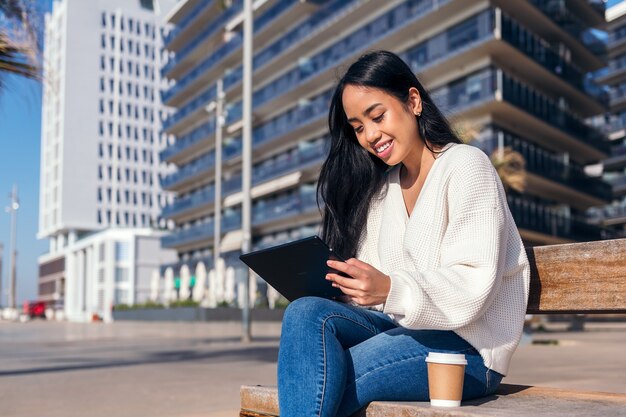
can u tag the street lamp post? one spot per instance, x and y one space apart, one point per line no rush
220 116
246 206
12 208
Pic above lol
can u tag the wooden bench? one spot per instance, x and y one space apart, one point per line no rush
577 278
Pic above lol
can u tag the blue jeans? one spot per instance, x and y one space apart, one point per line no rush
336 358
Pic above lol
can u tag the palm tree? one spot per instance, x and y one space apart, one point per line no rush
509 164
18 39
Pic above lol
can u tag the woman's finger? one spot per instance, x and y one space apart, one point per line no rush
351 270
343 281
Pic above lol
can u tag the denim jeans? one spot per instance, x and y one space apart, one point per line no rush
336 358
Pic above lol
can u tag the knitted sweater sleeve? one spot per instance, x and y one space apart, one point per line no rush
471 253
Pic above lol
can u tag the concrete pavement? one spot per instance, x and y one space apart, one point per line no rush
50 369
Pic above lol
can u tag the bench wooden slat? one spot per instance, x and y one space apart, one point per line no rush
510 400
587 278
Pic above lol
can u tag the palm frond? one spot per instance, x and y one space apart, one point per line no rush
511 168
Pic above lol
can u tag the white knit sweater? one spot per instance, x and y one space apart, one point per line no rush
458 263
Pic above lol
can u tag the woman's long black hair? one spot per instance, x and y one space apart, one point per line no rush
351 177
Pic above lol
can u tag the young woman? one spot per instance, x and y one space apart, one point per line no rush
435 261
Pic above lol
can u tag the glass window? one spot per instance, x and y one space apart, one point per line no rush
122 251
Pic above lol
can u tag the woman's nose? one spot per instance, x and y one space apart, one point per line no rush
372 134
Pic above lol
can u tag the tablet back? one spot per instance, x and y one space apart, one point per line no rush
296 269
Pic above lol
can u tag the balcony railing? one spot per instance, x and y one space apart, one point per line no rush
542 218
550 165
188 140
195 104
196 167
207 32
230 221
482 85
545 109
286 162
204 196
187 20
289 205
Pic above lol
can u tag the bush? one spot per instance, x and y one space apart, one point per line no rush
147 304
184 303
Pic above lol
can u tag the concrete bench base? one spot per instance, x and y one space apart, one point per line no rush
511 400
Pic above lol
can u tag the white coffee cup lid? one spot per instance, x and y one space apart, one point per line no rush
447 358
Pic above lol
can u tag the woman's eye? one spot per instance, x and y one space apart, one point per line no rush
379 118
358 129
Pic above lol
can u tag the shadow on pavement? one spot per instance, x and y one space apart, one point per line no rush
263 354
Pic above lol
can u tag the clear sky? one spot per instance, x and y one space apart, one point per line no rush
20 133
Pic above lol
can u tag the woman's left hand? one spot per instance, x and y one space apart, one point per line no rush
367 287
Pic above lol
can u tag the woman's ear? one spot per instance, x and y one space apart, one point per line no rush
415 101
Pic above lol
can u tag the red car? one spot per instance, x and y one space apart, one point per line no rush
35 309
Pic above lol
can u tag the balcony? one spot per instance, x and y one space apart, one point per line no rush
545 109
189 114
618 97
617 160
491 85
193 19
541 218
613 214
185 204
271 169
552 166
188 173
211 34
201 232
186 145
619 185
285 206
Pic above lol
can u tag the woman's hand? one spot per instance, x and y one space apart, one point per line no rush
367 287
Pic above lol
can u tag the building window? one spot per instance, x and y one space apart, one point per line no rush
122 250
104 19
99 195
121 274
99 217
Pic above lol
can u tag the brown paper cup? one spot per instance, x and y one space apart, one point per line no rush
446 372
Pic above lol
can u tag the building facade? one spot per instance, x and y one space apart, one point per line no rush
513 71
100 138
614 77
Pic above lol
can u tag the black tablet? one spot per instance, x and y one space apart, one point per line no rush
296 269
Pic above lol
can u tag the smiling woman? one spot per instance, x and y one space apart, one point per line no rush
435 264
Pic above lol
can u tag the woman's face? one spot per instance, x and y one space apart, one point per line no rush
383 125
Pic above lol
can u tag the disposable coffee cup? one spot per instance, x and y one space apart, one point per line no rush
446 372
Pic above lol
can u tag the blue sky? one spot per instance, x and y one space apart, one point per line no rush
20 127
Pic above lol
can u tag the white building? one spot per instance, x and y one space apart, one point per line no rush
115 266
100 137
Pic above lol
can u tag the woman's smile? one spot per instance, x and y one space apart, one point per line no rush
384 148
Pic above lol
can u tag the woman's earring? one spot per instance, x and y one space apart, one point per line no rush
419 114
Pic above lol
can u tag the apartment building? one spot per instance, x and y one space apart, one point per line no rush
515 71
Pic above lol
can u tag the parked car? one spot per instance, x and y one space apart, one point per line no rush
35 309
